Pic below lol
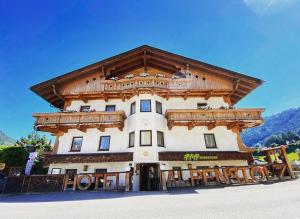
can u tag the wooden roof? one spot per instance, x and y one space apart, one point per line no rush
144 56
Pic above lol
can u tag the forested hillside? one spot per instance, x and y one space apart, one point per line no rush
283 122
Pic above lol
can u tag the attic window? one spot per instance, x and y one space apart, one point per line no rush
94 79
197 76
201 105
87 81
203 79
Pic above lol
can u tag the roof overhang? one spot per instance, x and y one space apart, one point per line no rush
144 56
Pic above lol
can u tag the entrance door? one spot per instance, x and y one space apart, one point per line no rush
149 177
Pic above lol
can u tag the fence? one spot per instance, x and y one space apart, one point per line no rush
61 182
34 183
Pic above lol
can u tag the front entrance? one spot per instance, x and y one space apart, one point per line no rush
149 177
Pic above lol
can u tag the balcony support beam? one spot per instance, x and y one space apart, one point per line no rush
212 125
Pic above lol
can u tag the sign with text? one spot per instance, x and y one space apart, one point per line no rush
199 157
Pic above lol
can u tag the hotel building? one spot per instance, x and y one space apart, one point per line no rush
146 110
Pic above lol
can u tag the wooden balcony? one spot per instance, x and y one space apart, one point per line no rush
242 118
55 122
126 88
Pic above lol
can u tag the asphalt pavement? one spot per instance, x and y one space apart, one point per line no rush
278 200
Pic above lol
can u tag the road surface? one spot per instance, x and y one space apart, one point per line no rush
278 200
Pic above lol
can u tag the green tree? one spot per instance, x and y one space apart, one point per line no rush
292 136
42 144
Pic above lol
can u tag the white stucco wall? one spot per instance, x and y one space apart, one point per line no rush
177 139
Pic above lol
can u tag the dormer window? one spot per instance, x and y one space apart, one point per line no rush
85 108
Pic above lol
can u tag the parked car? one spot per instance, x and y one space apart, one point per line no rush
2 181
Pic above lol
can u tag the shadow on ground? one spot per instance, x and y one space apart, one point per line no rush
94 195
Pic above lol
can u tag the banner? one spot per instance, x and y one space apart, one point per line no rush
30 162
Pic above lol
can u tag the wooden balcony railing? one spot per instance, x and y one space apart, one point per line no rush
244 118
53 122
144 82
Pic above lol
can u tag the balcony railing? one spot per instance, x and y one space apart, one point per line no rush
144 82
245 117
55 121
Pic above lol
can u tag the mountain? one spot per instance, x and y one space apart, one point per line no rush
288 120
6 140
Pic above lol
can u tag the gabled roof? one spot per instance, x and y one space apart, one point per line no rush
140 57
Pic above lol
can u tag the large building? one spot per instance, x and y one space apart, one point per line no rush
148 110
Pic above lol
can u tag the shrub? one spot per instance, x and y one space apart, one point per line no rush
13 156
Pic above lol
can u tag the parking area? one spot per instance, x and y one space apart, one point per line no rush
278 200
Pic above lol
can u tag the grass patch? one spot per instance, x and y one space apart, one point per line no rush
292 157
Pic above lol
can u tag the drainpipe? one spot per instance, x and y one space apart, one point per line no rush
56 93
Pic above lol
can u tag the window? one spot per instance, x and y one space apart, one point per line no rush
84 108
101 170
145 106
160 139
132 108
210 141
201 105
104 143
85 167
177 173
110 108
131 139
76 143
56 171
145 137
158 107
71 173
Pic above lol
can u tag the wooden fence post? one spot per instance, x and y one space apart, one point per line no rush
289 167
66 182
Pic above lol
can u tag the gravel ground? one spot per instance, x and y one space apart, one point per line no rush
278 200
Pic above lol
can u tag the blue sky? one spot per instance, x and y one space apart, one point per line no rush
43 39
